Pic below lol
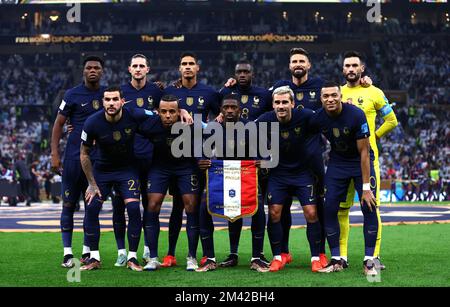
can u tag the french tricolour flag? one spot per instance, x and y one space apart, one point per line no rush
232 189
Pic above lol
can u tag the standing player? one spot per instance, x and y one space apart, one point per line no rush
345 126
372 101
196 98
78 104
183 171
231 113
292 176
254 101
113 132
142 95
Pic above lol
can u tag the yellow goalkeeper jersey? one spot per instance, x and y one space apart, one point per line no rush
371 100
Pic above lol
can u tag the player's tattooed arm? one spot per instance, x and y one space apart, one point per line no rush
364 151
57 132
86 164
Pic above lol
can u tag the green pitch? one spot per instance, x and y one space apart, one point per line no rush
415 255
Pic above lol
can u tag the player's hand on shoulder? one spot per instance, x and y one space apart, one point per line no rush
159 84
219 118
369 199
366 81
230 82
185 117
204 164
177 83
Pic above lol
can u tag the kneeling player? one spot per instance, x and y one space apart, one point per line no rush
345 126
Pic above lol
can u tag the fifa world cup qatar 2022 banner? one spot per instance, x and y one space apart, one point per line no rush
232 189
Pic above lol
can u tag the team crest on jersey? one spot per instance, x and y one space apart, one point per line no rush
297 130
149 184
256 100
140 102
189 101
244 99
95 104
346 131
299 96
232 193
269 196
117 135
336 132
313 95
300 106
285 134
150 101
201 101
360 101
66 193
194 181
128 131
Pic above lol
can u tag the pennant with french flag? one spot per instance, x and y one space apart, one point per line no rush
232 189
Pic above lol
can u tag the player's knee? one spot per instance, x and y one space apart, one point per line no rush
275 216
310 213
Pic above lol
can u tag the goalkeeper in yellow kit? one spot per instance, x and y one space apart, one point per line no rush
372 101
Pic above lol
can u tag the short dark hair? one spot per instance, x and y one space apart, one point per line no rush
299 51
170 97
114 88
245 62
93 58
231 96
354 54
189 53
329 83
140 55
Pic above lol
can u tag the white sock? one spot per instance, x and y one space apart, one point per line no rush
213 259
121 252
131 255
254 259
344 258
277 257
336 258
86 249
68 251
95 255
368 258
146 250
315 259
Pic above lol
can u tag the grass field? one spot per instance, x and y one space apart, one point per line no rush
415 255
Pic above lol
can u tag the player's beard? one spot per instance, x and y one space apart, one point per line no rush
299 73
355 78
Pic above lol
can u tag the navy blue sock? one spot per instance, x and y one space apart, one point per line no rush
320 213
234 233
92 226
314 234
119 222
67 224
370 229
332 228
206 231
193 232
152 227
175 223
286 223
144 205
258 229
275 232
134 225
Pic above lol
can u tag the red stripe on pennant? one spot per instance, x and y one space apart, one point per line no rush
249 187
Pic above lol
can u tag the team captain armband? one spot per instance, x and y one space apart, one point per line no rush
386 109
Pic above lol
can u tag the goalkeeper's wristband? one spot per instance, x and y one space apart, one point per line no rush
366 187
